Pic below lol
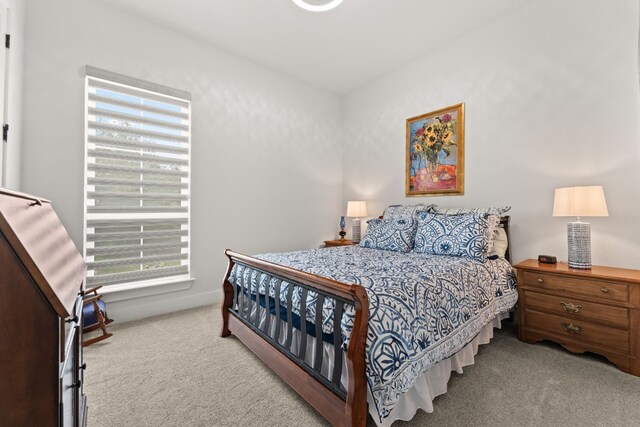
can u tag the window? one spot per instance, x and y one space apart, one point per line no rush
136 179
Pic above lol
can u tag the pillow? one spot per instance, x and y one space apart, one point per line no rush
499 211
408 211
500 243
494 223
390 234
457 211
466 235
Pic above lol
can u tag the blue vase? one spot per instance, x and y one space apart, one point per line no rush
342 223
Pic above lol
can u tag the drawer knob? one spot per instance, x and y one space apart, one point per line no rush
571 328
604 290
74 319
540 280
570 308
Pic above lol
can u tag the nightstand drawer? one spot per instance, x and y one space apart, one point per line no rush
589 333
580 310
604 291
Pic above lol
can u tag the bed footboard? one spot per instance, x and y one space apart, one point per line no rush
246 314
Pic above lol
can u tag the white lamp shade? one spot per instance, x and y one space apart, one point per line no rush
580 201
356 209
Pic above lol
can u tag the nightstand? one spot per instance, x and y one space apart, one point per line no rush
595 310
331 243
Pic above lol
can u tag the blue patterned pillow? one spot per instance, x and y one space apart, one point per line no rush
457 211
406 211
390 234
466 235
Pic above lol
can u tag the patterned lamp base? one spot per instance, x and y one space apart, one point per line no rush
579 239
355 232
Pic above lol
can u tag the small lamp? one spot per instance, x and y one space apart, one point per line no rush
356 210
342 233
579 202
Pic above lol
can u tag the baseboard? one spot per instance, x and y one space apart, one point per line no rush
140 308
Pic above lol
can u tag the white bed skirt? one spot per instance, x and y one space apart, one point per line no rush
434 382
431 384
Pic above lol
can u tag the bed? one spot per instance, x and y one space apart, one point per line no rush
355 328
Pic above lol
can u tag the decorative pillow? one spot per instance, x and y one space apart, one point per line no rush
500 243
407 211
465 235
457 211
494 223
390 234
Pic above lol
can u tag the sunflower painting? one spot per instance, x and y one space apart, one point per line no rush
435 153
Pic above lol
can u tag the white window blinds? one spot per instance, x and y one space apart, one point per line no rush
137 180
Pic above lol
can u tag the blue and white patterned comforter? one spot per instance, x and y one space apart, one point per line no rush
422 308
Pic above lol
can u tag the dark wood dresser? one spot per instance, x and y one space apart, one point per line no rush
41 284
595 310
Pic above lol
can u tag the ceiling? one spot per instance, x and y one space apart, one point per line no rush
339 50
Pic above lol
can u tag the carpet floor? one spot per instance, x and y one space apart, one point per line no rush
174 370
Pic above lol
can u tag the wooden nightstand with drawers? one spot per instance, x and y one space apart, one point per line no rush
595 310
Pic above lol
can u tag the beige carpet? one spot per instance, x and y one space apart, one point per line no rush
174 370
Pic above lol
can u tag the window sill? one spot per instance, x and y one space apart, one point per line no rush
129 291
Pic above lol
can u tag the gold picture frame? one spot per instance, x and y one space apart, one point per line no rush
435 153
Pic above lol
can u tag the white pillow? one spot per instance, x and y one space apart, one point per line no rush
500 243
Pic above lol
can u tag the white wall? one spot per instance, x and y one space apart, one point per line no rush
266 156
551 94
17 12
551 99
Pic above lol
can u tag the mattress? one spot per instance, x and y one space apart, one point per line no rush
422 308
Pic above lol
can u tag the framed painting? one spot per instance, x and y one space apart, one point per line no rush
435 153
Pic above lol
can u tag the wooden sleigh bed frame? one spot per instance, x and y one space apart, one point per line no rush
242 313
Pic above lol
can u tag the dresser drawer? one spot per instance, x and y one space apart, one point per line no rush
604 291
69 324
572 308
589 333
69 386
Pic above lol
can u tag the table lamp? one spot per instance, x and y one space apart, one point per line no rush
579 202
356 210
